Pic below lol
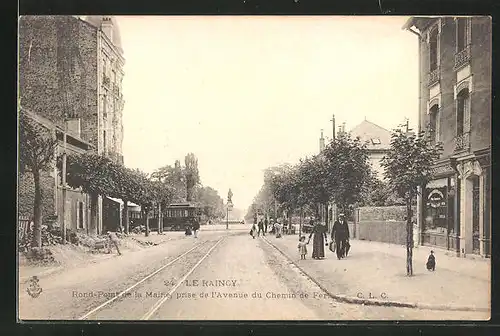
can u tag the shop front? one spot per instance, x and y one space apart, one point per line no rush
438 202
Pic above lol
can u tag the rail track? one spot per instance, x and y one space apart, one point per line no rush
93 313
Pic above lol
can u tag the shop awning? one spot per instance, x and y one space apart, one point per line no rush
117 200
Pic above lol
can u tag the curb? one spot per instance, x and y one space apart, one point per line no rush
374 302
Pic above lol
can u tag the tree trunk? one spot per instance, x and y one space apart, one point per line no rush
409 239
326 214
126 216
93 214
37 211
300 222
146 215
160 224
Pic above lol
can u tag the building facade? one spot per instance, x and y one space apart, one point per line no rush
455 110
77 205
378 143
71 72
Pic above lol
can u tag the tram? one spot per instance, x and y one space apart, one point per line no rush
178 216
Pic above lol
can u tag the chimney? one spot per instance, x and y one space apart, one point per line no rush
107 26
321 142
343 127
74 127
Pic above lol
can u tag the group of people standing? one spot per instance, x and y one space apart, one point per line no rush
339 237
262 227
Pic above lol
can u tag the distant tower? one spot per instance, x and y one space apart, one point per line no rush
321 142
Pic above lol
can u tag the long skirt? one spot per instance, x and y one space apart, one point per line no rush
318 246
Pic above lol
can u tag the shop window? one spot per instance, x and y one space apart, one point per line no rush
436 210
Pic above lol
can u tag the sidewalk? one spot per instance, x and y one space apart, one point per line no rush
377 272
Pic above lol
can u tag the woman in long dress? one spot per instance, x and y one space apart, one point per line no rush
319 240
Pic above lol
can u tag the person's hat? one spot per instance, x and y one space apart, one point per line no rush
341 215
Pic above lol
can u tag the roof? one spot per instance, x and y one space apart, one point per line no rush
420 22
376 137
53 127
97 20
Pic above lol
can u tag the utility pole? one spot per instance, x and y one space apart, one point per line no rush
407 125
63 181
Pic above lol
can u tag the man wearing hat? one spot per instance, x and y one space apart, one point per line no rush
340 234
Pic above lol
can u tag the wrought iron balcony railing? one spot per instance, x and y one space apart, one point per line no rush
462 142
433 76
106 80
462 57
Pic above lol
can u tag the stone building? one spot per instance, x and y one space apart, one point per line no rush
455 109
71 68
77 203
378 143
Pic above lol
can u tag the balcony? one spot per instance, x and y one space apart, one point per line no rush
462 57
462 142
433 77
106 80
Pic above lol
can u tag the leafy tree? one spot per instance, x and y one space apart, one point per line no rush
192 175
347 170
36 154
407 167
175 178
96 175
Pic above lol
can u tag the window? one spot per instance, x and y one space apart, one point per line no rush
376 141
433 49
462 33
462 109
433 123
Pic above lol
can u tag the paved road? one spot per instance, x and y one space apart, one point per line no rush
219 276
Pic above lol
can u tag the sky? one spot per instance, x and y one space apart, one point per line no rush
245 93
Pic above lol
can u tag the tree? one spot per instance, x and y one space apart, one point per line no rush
36 154
192 175
175 178
347 170
97 176
408 166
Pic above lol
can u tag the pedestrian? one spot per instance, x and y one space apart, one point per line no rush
196 228
278 229
253 231
188 230
431 262
302 247
340 234
266 222
114 241
261 228
319 240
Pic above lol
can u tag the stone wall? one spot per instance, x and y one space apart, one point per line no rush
26 194
381 224
388 213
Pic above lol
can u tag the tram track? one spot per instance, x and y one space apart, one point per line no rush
121 301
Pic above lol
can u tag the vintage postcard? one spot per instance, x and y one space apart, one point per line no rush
254 168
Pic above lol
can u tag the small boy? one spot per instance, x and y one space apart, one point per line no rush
114 241
431 262
302 247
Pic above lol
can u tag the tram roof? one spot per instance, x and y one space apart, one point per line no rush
182 205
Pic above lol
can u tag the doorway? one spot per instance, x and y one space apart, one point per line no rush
475 215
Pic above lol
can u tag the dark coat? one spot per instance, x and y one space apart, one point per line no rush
340 230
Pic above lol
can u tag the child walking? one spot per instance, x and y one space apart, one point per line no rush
302 247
